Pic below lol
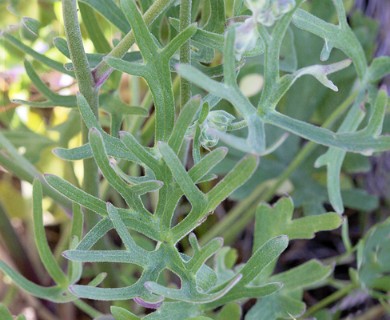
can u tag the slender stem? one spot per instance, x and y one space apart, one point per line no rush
103 70
185 50
79 58
87 88
240 216
328 300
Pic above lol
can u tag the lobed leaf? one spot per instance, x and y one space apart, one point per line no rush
277 220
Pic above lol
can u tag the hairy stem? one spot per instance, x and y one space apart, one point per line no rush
185 52
87 88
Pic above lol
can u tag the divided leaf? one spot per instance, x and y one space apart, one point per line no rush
277 220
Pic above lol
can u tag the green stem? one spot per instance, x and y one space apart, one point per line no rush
103 70
185 50
241 215
87 88
79 58
328 300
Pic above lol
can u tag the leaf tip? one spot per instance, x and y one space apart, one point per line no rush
147 304
94 132
65 254
122 134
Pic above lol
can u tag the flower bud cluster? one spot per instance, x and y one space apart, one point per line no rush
218 120
264 12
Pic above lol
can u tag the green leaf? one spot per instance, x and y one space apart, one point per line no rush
201 255
122 314
142 35
343 39
277 220
186 295
175 311
55 293
4 313
137 253
284 304
36 55
246 292
45 254
194 195
216 21
101 158
233 180
353 142
288 60
30 28
113 145
140 151
93 28
375 123
207 163
133 68
113 104
75 194
56 99
183 122
139 221
262 256
379 68
374 258
109 10
178 41
231 311
276 307
304 276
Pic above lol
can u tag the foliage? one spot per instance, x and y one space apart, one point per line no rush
140 180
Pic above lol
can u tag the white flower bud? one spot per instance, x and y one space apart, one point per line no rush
216 120
246 37
208 140
219 120
266 12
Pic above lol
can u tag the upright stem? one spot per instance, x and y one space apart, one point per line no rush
185 50
87 88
